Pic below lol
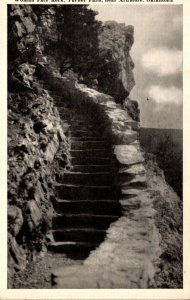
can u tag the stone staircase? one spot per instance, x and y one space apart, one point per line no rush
87 194
104 208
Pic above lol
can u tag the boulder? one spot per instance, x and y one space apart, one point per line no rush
128 155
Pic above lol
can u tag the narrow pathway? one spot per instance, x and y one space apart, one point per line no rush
104 213
87 195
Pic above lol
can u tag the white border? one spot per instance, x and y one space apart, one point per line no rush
103 293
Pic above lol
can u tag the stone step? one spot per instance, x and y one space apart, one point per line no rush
84 134
92 168
103 178
92 153
83 220
72 118
85 130
67 247
88 139
84 126
89 235
80 145
81 124
88 206
85 192
94 160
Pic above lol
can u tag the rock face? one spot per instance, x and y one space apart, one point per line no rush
22 36
115 42
34 134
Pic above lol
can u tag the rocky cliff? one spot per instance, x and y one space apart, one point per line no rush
116 40
34 135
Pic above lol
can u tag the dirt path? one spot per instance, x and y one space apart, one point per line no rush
37 274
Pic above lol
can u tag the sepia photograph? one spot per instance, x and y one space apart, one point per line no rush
94 146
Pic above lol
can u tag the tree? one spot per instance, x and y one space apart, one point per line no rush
77 32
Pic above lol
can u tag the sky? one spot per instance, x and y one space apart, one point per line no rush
157 54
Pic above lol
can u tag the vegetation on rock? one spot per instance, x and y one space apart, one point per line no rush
77 38
98 53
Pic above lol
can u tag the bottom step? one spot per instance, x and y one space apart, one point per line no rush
66 247
92 168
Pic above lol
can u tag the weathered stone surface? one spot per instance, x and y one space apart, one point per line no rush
18 29
23 39
128 154
128 192
116 40
28 24
133 169
130 203
39 193
15 219
33 214
138 181
16 255
22 78
133 124
94 277
133 110
34 134
52 148
127 137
